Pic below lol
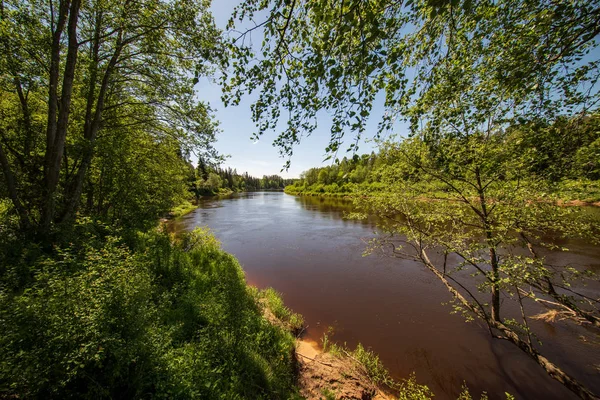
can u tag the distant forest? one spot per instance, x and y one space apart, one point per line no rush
208 179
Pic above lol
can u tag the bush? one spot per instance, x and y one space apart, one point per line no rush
160 319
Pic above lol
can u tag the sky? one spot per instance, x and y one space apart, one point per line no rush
262 158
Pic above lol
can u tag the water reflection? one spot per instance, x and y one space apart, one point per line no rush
306 249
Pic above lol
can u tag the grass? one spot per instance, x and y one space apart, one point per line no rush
406 389
274 302
161 318
328 394
184 208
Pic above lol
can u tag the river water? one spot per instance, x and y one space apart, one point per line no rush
306 250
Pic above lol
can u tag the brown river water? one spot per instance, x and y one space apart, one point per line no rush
306 250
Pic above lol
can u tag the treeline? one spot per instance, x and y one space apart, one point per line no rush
338 178
565 154
211 180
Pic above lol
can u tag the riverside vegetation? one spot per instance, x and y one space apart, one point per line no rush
213 180
100 119
102 318
562 157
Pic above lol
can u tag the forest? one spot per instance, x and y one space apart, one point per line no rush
488 144
208 180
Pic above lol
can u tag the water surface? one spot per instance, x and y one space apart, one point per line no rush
302 247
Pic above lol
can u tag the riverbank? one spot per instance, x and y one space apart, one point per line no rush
186 206
332 371
324 375
296 191
308 251
182 209
165 317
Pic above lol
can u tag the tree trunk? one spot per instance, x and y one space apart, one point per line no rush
26 117
90 134
56 138
495 278
495 286
53 79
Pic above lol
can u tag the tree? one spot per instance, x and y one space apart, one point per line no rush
214 182
460 73
337 56
558 150
323 177
74 72
467 213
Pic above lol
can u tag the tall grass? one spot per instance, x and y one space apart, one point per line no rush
157 318
273 302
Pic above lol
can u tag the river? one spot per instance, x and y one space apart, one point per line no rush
306 250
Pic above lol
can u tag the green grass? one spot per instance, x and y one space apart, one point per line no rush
273 301
405 389
328 394
157 318
184 208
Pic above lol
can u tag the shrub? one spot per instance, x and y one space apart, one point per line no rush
161 318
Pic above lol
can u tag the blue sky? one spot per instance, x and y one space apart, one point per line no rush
261 158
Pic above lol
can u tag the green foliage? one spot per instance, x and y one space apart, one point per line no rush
466 395
433 63
578 189
500 98
338 179
411 390
184 208
98 109
552 163
208 180
475 217
170 320
568 148
374 367
274 302
135 180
